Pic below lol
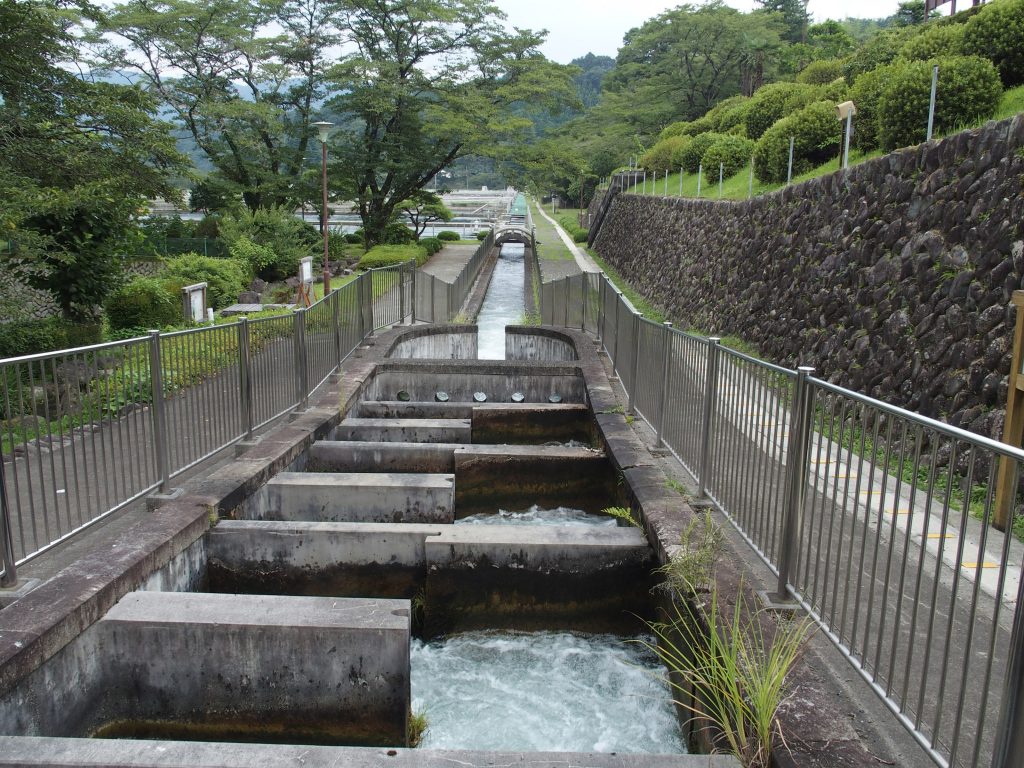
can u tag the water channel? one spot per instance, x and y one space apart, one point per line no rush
539 691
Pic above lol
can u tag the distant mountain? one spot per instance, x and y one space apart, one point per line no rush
588 82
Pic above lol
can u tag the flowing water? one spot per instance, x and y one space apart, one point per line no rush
537 516
543 691
503 304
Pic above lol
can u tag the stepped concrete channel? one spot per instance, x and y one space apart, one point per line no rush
274 602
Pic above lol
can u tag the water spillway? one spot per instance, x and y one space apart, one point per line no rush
504 302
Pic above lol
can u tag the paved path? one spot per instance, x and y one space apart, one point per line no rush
449 262
583 259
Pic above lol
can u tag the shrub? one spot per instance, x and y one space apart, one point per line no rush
816 133
673 129
880 50
866 93
257 257
209 227
390 255
448 235
396 233
732 152
27 337
836 91
934 41
290 239
733 118
660 156
777 100
145 302
968 90
691 154
997 33
353 238
481 236
432 244
697 127
821 72
225 278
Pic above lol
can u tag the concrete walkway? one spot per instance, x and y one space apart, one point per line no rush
449 262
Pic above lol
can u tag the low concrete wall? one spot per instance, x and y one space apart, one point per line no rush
405 430
530 423
441 342
358 497
341 456
528 343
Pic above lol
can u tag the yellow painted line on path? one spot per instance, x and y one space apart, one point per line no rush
985 564
941 535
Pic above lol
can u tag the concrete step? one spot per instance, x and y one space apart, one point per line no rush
300 666
399 409
304 558
405 430
369 497
362 456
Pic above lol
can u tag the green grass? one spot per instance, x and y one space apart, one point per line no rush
549 245
649 310
1011 104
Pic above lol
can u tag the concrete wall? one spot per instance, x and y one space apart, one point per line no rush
437 343
892 279
498 379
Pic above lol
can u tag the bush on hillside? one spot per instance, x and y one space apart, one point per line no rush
968 90
934 41
258 257
225 278
731 115
391 255
673 129
28 337
733 153
882 49
691 155
659 157
821 72
816 134
866 93
145 302
997 33
836 91
701 125
777 100
449 236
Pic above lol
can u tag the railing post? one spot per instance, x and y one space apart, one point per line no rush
301 375
600 310
584 293
160 436
565 302
245 376
401 293
368 288
708 417
1010 730
618 309
637 319
336 322
9 576
412 296
666 377
797 449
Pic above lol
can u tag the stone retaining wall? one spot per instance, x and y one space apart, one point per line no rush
892 279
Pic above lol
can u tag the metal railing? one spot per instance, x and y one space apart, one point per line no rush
438 301
875 519
86 431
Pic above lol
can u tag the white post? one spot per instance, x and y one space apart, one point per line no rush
931 104
700 174
721 173
789 173
846 142
680 181
666 182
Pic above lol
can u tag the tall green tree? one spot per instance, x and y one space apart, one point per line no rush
423 209
242 78
78 159
680 63
430 81
793 14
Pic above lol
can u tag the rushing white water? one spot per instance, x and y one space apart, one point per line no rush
543 691
537 516
503 303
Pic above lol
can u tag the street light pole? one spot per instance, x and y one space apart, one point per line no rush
323 129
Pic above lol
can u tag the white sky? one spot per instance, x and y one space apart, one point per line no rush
576 27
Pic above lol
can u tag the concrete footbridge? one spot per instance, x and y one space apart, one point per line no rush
517 224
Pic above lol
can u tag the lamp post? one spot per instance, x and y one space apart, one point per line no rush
323 130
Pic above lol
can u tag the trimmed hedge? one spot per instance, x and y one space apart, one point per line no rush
821 72
661 155
997 33
816 133
691 154
145 302
882 49
353 238
28 337
968 90
396 233
934 41
449 235
673 129
391 255
777 100
732 152
225 278
866 94
432 244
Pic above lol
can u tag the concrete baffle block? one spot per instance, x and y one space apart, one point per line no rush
405 430
297 558
260 667
366 497
359 456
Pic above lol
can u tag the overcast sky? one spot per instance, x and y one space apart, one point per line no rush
576 27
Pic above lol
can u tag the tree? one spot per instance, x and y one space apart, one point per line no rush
423 208
242 77
793 14
680 63
429 81
78 159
